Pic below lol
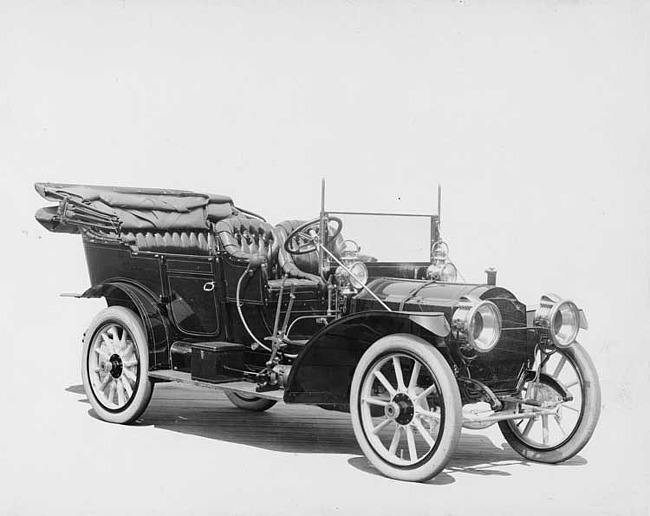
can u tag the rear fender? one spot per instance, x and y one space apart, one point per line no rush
322 374
143 303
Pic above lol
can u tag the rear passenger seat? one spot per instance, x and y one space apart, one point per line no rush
182 242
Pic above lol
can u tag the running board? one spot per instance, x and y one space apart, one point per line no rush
239 386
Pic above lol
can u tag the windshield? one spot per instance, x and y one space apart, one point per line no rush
389 237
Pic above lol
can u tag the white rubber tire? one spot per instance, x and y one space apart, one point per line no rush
143 387
415 348
246 402
578 438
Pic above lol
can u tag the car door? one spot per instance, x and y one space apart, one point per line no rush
193 294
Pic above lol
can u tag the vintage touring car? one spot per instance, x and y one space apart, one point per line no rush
200 291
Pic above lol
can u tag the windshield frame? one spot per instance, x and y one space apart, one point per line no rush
434 220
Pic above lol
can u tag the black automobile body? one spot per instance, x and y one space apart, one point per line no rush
201 291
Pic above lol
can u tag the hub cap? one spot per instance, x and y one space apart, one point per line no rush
401 409
113 366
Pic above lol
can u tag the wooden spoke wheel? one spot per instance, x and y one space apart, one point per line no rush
559 436
406 408
115 364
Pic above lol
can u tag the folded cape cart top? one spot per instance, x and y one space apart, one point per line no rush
121 209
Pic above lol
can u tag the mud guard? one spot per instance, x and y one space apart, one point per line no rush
322 374
143 303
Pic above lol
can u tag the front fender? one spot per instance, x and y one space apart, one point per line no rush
322 373
143 303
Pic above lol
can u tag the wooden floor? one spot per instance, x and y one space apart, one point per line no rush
192 452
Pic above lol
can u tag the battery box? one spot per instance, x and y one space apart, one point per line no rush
217 362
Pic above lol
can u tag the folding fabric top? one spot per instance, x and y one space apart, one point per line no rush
136 209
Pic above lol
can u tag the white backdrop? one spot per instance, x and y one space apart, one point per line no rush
534 116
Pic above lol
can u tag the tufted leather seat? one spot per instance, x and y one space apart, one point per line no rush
183 242
244 238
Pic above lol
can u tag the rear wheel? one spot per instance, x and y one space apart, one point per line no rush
557 437
405 407
115 365
248 401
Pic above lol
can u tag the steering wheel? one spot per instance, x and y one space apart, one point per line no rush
302 240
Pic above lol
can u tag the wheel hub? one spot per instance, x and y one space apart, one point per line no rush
113 365
392 410
400 409
547 396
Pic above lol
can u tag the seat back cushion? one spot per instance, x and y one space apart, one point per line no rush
243 238
183 242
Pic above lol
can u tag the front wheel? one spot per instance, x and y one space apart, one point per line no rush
406 408
559 436
115 365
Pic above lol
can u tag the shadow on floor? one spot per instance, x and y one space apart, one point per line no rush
300 429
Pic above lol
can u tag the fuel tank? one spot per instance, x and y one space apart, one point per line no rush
501 367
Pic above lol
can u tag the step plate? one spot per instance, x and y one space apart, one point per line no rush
242 387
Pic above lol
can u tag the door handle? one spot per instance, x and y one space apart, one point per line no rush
209 286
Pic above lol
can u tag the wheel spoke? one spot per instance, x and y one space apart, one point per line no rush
111 392
573 383
129 354
101 352
113 331
108 339
397 366
381 425
559 367
410 438
120 393
545 429
413 381
127 372
429 414
380 376
395 441
559 425
105 381
529 426
371 400
127 387
570 408
118 343
423 432
130 363
426 392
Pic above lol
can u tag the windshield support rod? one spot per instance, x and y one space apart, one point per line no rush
384 214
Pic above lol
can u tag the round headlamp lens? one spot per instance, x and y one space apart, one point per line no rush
485 326
479 323
560 317
359 276
565 323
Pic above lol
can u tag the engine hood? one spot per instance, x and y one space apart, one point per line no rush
500 368
427 296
